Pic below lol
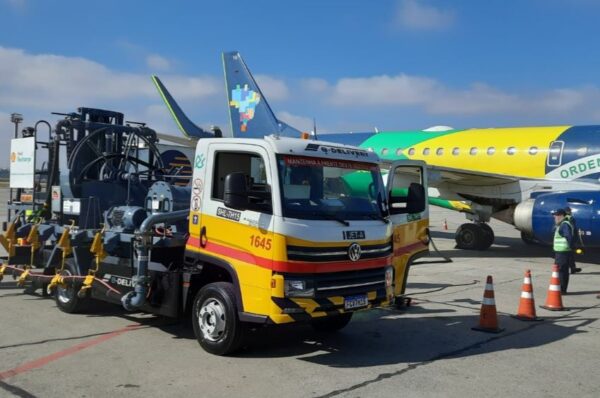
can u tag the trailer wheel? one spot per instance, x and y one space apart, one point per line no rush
331 323
216 323
66 297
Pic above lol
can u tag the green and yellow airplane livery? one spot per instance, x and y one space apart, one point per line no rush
518 175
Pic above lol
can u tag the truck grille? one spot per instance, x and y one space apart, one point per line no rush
344 283
339 253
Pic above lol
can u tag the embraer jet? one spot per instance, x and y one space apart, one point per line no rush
517 175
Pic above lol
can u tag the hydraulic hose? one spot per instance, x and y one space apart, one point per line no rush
136 298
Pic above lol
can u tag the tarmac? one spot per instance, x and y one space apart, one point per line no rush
425 350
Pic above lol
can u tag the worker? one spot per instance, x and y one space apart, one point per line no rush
563 243
576 240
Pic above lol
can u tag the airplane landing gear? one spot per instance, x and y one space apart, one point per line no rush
474 236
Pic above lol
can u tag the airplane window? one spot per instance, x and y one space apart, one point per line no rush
491 150
384 151
533 150
370 149
473 151
511 150
582 151
455 151
439 151
426 151
411 151
399 151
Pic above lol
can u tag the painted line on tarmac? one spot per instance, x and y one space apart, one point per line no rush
40 362
449 354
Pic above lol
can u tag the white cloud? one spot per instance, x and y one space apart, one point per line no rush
52 82
415 15
314 85
274 89
477 99
301 123
156 62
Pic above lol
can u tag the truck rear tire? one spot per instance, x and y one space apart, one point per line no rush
331 323
66 297
215 317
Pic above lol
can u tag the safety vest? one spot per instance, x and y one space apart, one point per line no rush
560 242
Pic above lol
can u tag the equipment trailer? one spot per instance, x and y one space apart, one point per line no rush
267 231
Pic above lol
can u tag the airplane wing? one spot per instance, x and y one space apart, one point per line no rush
467 178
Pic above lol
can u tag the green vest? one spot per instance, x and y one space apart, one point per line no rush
560 242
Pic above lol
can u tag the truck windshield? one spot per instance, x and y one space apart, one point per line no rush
316 188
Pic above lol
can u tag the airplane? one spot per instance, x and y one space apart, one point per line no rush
517 175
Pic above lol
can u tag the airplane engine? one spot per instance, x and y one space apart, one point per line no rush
533 217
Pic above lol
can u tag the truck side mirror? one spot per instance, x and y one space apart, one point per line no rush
236 191
415 202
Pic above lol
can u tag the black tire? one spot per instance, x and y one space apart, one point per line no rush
528 239
469 237
215 318
488 236
66 298
331 323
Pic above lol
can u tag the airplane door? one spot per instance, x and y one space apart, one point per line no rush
555 153
409 214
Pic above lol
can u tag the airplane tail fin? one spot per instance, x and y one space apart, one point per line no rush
187 127
249 112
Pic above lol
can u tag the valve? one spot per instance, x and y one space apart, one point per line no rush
23 277
56 280
87 284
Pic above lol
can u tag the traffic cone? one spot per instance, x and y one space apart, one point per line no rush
526 311
554 298
445 225
488 318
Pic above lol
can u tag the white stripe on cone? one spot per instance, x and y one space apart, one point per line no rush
555 275
527 281
488 301
526 295
489 286
554 288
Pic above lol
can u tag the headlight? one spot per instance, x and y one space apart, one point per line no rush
389 276
298 288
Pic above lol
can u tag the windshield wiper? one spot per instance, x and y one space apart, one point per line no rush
335 218
378 217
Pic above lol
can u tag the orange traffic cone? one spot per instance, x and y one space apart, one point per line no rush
445 225
488 318
554 298
526 310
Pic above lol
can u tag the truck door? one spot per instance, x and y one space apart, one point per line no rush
409 213
240 237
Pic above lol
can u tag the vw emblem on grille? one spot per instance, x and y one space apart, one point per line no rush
354 252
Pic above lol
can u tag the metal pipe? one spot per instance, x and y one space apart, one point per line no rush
136 298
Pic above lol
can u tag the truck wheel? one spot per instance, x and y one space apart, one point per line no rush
331 323
216 323
66 297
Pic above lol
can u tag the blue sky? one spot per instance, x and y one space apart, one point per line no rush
353 65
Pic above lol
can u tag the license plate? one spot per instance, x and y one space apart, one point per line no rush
354 302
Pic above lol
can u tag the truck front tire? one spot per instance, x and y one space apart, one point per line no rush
215 317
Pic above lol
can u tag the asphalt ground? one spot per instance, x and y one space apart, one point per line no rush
425 350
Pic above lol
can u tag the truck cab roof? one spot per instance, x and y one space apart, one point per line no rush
301 147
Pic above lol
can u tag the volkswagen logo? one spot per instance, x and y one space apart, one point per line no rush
354 252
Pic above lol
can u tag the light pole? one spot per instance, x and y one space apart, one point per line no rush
16 118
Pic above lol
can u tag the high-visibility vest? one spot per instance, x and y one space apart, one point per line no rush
560 242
